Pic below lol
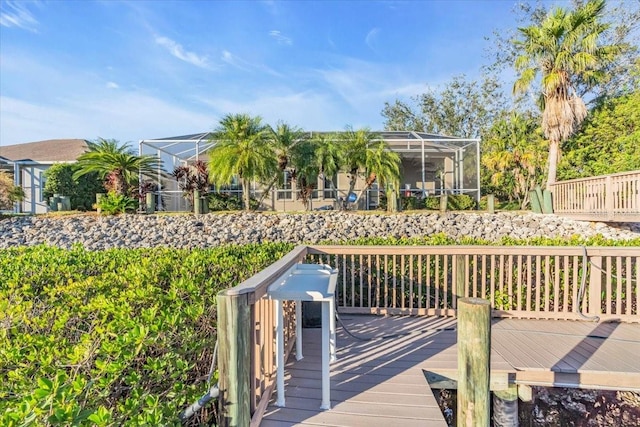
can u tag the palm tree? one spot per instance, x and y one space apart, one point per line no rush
116 164
364 152
564 48
329 156
242 149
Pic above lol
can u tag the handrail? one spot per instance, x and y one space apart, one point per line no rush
519 281
257 284
614 197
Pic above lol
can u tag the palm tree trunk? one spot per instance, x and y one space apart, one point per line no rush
246 194
554 154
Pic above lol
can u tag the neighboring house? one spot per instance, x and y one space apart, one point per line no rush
431 165
28 162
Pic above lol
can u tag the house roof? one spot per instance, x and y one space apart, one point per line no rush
51 150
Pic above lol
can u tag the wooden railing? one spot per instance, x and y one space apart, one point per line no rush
605 198
533 282
246 335
529 282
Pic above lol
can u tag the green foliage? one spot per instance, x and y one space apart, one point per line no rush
441 239
461 108
513 158
110 338
609 142
116 164
82 190
225 202
566 47
113 203
460 202
9 193
242 150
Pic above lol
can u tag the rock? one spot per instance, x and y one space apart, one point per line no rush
185 231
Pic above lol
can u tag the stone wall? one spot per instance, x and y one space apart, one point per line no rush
188 231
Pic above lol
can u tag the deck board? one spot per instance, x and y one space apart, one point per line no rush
382 382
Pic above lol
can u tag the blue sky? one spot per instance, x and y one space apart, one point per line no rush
132 70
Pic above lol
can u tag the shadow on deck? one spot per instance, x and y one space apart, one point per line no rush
383 382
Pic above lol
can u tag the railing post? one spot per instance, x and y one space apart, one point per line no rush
595 285
474 350
608 197
234 317
459 274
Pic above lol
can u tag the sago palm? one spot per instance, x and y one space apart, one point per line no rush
565 47
116 164
241 149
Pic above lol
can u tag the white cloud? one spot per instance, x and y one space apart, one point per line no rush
370 39
112 85
122 116
179 52
243 65
16 14
280 38
308 109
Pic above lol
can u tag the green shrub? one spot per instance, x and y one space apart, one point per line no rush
111 338
113 204
411 203
225 202
82 191
460 202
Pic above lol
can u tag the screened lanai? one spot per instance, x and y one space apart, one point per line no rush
431 165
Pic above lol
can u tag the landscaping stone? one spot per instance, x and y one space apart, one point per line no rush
187 231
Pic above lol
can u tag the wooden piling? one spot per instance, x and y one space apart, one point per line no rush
505 407
474 350
197 202
234 402
443 202
150 202
491 204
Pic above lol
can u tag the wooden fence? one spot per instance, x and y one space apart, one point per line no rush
529 282
601 198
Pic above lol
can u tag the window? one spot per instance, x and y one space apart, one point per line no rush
330 185
285 186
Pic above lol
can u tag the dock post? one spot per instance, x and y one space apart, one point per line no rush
505 407
443 202
491 204
234 317
474 350
197 202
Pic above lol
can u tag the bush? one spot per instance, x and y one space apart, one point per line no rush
113 204
82 191
117 337
225 202
9 193
412 203
460 202
455 202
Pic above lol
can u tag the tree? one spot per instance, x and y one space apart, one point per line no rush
513 158
116 164
461 108
82 190
9 193
192 177
564 47
365 154
242 149
608 143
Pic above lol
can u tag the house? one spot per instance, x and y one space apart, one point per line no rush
431 165
30 160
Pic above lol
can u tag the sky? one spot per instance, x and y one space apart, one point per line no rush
132 70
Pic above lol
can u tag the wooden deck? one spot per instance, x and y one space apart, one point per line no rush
383 382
